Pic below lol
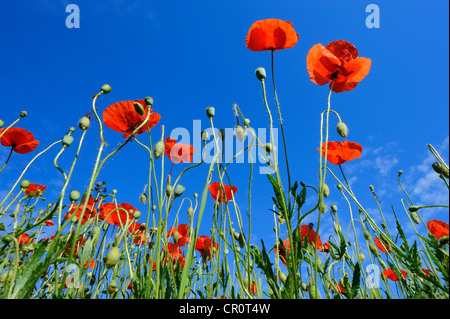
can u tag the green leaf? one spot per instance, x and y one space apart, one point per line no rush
356 280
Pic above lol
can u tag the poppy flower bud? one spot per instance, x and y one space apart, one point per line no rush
247 122
190 212
84 123
112 287
210 112
74 196
383 264
179 190
138 108
149 101
113 257
342 129
205 135
440 169
334 208
322 207
95 233
23 114
339 186
373 249
143 198
268 147
159 149
311 225
400 172
25 183
313 292
2 123
361 257
67 140
240 133
367 234
281 276
169 190
371 188
106 89
281 220
415 217
337 228
260 73
325 190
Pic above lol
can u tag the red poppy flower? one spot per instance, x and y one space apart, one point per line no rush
216 192
174 256
326 247
438 228
305 231
21 140
183 234
90 263
78 244
426 271
341 290
283 249
178 153
119 216
381 246
35 190
206 247
123 118
271 35
341 152
339 61
89 213
24 239
47 222
390 274
138 234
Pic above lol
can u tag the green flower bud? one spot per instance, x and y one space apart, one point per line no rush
74 196
149 101
136 214
143 198
112 287
337 228
373 249
342 129
367 235
84 123
67 140
210 112
443 240
195 195
113 257
383 264
71 129
23 114
25 183
282 277
313 292
268 147
361 257
179 190
413 209
246 122
205 135
240 133
106 89
260 73
169 190
190 212
325 190
139 108
2 123
400 172
334 208
95 233
415 217
159 149
440 169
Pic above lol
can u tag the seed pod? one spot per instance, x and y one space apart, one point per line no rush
149 100
106 88
342 129
136 214
113 257
205 135
210 112
23 114
260 73
159 149
74 195
240 133
25 183
84 123
179 190
361 257
67 140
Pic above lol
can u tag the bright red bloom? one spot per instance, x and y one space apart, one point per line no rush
216 192
183 234
326 247
118 216
90 263
381 246
123 118
339 61
178 153
24 239
89 212
206 247
305 231
390 274
47 222
426 271
78 244
271 35
438 228
341 290
21 140
35 190
283 250
138 234
174 256
341 152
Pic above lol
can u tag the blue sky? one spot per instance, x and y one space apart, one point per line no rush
191 55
